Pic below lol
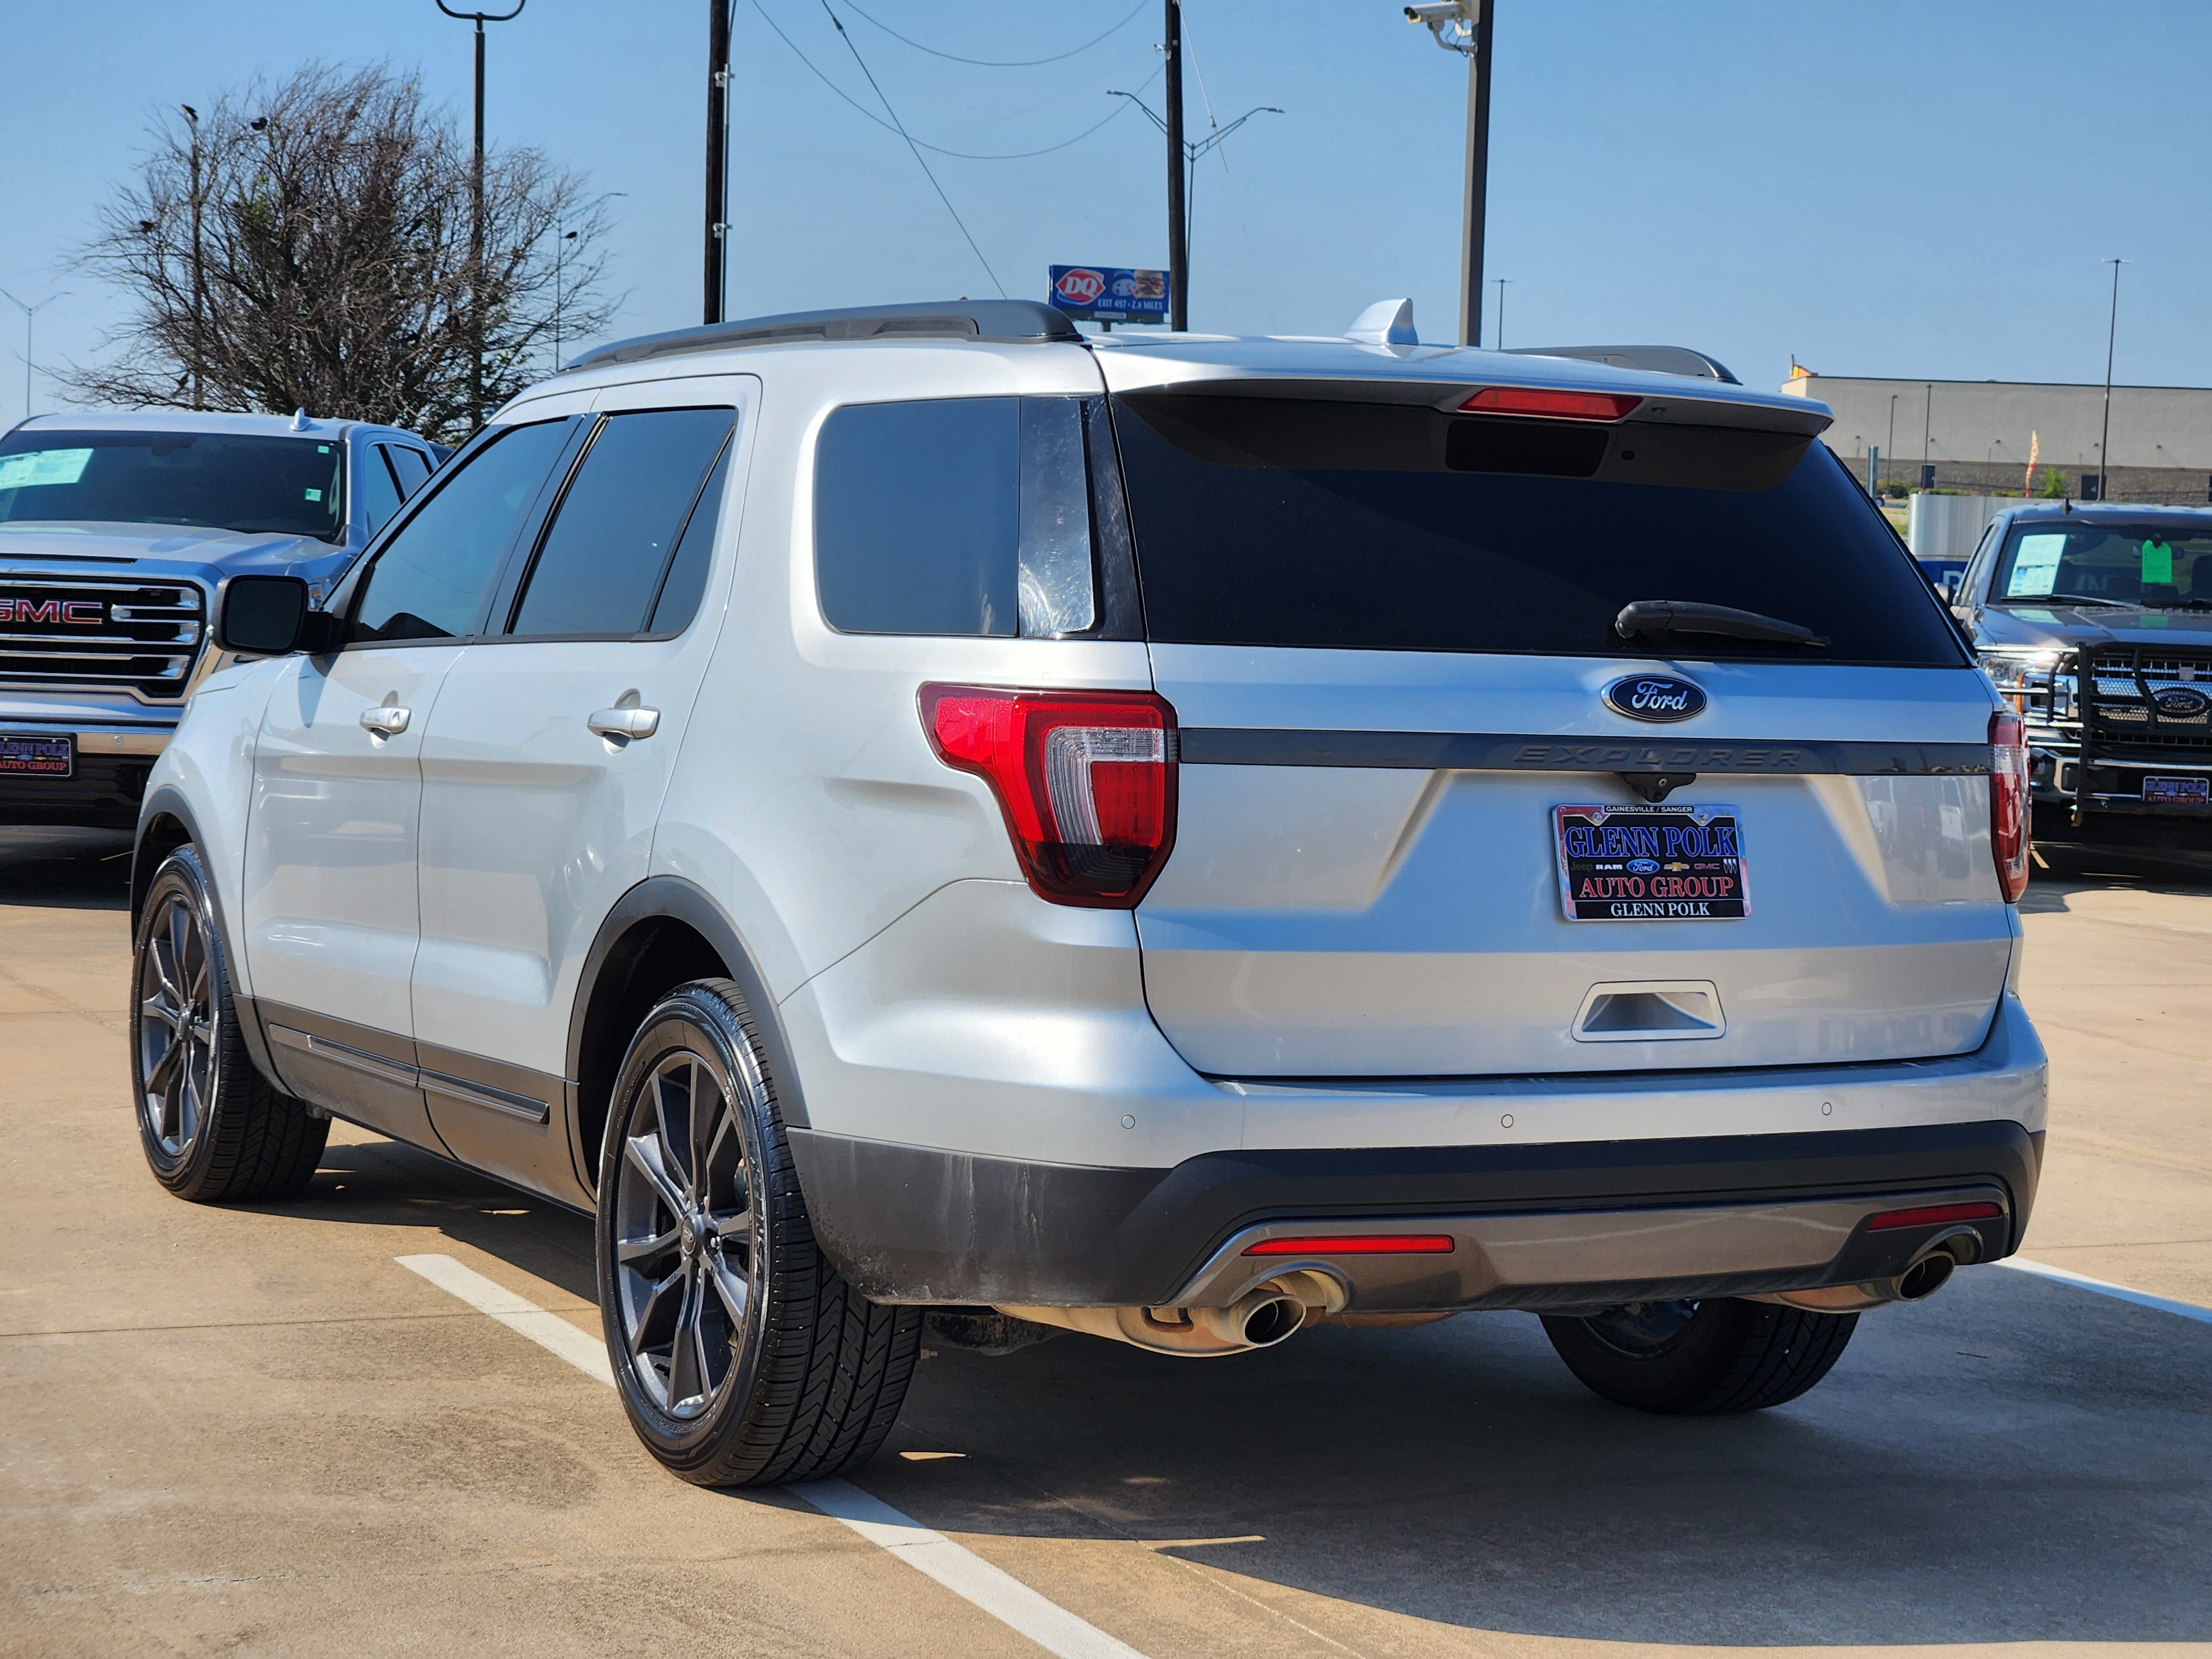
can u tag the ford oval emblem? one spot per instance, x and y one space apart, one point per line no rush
1655 697
1644 867
2181 702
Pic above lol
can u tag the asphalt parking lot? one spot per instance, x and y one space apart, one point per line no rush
254 1431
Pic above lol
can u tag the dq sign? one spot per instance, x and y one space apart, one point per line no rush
1110 294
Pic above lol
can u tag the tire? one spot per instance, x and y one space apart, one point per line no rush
742 1357
215 1131
1701 1358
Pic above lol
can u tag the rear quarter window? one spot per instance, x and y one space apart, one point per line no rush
967 516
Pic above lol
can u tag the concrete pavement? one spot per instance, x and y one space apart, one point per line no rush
249 1430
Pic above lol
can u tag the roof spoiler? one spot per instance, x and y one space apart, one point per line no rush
1024 321
1652 359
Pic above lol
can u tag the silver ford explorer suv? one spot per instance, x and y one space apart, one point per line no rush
919 819
116 531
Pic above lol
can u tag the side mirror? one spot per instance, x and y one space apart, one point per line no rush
270 617
1950 590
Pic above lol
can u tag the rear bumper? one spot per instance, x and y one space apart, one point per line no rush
909 1224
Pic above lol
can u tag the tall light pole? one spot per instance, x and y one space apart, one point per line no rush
1178 193
1501 281
2112 334
1464 27
1890 448
199 282
718 148
30 316
1178 223
476 207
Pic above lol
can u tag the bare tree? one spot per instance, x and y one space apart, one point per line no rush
306 246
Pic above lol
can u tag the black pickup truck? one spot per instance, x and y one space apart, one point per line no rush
2095 622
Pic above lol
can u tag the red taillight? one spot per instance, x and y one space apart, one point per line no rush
1559 405
1936 1215
1086 779
2008 802
1356 1245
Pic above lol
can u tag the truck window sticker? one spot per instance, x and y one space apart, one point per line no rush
43 466
2035 567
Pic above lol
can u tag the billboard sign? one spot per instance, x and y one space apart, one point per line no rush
1108 294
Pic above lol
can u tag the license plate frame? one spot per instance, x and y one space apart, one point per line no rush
2176 792
1696 873
33 754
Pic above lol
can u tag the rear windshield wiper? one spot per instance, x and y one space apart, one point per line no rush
1695 617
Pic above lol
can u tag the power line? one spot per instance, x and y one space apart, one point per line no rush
1001 62
938 149
920 160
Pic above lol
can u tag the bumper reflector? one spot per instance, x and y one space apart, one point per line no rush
1934 1215
1357 1245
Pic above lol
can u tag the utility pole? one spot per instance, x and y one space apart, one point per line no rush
1178 226
2112 334
718 146
1464 27
476 207
30 317
199 280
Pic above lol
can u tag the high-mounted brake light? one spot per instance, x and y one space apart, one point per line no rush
2009 823
1559 405
1356 1245
1086 781
1934 1215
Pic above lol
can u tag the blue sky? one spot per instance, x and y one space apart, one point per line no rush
1880 188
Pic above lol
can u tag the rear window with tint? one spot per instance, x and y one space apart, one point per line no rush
968 515
1278 522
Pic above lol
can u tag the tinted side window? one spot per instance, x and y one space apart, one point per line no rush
379 497
410 466
687 572
601 562
966 515
430 580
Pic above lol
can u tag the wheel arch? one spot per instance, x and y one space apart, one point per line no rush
166 822
659 934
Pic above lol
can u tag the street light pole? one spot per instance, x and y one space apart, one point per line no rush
2112 334
718 145
199 286
1501 281
1890 448
30 316
1465 26
476 207
1178 225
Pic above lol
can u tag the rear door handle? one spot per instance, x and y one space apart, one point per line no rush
625 722
385 720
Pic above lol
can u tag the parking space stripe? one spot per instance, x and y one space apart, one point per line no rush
961 1571
2105 1287
586 1352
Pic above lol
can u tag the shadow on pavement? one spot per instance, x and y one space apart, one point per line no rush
2028 1462
65 869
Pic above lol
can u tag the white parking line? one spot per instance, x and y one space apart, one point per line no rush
963 1572
2105 1287
588 1353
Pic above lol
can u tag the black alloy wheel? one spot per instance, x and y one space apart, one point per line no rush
212 1128
1712 1357
742 1357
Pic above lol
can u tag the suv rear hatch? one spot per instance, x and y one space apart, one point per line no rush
1388 629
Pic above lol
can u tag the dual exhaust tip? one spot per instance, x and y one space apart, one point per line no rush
1263 1316
1927 1273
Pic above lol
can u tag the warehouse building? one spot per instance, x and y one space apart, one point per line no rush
1976 435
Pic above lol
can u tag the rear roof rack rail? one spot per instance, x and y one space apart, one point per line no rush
1652 359
1024 321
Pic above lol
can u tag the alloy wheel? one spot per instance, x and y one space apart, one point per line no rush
684 1244
176 1028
